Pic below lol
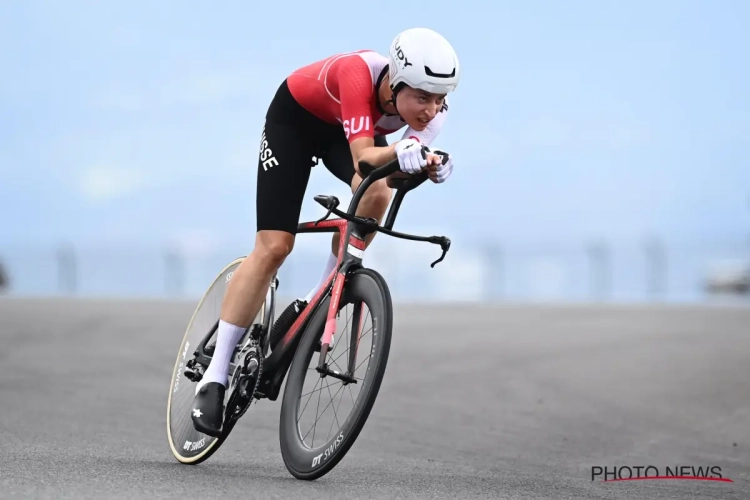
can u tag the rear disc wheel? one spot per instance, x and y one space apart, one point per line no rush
187 444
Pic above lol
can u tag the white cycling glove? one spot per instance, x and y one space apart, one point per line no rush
411 156
445 168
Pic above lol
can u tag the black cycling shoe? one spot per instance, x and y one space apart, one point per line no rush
208 409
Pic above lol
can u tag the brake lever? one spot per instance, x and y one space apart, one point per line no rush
328 214
445 245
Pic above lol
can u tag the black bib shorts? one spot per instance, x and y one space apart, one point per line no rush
292 137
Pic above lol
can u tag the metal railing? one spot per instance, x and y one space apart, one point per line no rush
646 270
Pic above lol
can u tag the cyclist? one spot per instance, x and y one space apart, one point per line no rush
338 109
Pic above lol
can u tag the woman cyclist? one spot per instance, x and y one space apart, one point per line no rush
338 110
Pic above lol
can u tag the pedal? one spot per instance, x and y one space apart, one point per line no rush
192 375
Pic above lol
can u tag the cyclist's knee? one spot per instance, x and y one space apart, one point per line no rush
378 196
273 247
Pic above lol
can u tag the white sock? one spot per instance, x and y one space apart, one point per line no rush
329 267
226 340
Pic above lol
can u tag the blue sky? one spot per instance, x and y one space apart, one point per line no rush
138 123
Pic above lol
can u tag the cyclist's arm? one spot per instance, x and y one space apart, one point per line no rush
355 94
364 149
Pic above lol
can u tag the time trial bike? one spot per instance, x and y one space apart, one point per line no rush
269 350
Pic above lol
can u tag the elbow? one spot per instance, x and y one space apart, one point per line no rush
357 158
362 155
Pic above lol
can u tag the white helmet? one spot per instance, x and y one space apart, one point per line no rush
422 59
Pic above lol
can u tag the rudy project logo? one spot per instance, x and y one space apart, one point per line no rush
609 474
400 53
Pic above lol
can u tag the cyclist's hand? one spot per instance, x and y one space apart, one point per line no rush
440 166
411 156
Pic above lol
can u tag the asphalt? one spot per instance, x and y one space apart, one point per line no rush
517 402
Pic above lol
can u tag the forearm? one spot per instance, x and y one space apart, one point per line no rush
363 149
377 156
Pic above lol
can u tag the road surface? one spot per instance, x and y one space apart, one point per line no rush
516 402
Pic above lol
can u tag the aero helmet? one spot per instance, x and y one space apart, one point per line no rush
421 58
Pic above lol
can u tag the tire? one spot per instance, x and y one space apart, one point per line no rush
368 286
188 445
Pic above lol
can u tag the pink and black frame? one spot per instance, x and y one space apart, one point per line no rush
352 231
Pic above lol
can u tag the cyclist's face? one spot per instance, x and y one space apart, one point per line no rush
418 107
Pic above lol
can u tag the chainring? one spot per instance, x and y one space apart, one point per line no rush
237 405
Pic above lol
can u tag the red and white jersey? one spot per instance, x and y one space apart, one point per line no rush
342 88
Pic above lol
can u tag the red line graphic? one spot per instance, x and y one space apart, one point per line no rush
694 478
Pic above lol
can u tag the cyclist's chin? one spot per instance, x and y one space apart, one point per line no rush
416 124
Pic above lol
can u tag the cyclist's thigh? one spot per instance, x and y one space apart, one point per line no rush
284 164
337 156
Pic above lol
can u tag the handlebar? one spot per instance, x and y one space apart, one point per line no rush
331 202
372 174
378 173
392 167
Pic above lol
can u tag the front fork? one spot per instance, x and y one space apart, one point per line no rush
351 252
